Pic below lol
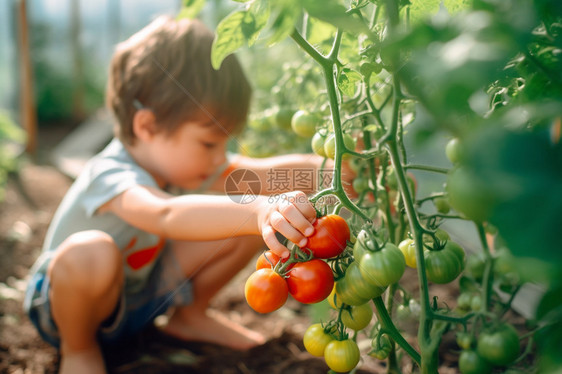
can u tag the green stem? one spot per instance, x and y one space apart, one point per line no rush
393 366
327 64
427 168
487 278
309 49
428 348
389 327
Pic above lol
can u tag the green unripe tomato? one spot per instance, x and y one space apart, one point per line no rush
453 151
443 266
470 362
499 346
316 339
342 355
304 123
469 195
475 265
383 267
360 184
442 205
330 144
357 317
317 143
464 340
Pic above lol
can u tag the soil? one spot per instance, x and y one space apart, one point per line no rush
22 227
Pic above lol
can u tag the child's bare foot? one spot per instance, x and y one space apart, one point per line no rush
83 362
212 327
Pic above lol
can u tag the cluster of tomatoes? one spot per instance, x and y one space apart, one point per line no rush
497 346
305 275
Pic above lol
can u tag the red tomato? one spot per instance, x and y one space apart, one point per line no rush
330 236
267 260
310 281
266 291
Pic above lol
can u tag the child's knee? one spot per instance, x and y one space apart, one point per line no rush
88 260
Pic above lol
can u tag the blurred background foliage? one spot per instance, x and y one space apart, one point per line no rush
486 71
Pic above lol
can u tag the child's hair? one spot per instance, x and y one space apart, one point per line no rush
166 67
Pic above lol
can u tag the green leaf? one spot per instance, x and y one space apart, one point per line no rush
261 12
236 30
347 81
284 23
319 32
191 8
421 9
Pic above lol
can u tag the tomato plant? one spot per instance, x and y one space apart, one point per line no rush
330 237
396 80
310 281
266 291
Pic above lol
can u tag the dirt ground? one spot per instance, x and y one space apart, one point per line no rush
22 228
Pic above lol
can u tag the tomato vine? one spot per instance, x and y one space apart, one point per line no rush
487 77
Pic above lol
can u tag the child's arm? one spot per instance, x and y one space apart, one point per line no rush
203 217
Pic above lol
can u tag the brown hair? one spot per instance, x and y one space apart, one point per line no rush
166 67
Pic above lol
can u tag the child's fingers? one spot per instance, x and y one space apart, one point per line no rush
280 223
296 219
300 201
270 239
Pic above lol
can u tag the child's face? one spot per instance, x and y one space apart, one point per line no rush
188 156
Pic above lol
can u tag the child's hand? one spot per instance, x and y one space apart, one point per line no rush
290 214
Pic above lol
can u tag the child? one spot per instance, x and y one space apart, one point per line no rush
121 249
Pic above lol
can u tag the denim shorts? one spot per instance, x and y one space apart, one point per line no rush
166 286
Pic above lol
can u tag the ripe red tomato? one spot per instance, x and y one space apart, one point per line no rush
267 260
310 281
330 236
266 291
